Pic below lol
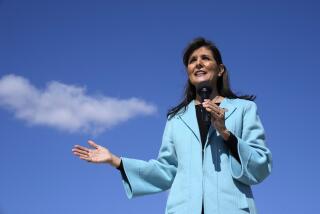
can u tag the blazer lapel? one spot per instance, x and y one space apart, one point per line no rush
189 118
229 106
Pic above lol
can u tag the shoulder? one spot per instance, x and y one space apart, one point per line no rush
242 103
181 112
173 119
246 108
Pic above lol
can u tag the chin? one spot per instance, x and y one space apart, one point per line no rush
197 81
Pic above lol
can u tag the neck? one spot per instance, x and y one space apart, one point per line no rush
213 95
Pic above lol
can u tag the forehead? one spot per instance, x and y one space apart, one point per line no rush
201 51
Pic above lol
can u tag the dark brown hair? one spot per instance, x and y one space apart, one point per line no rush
223 84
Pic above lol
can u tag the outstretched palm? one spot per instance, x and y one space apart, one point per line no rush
97 155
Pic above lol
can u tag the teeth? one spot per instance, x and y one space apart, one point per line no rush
198 73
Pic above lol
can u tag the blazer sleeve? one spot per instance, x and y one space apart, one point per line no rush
145 177
255 158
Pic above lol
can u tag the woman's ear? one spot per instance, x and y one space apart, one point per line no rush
221 70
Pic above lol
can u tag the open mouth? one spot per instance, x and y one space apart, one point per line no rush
200 73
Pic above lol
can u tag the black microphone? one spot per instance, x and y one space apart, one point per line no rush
204 90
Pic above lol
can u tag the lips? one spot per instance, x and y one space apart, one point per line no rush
200 73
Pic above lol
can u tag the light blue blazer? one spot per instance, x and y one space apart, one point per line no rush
216 177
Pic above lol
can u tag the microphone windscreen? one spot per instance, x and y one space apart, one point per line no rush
204 90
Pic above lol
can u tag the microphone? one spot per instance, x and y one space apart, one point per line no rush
204 90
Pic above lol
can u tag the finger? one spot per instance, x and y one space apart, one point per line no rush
215 114
216 108
93 144
205 104
80 155
81 148
212 107
212 112
209 104
80 151
86 158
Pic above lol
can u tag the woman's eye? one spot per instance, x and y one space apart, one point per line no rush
192 60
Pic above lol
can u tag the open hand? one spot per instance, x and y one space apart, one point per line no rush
97 155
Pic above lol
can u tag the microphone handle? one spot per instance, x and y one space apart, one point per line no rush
206 117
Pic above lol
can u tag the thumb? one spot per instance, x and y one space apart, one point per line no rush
93 144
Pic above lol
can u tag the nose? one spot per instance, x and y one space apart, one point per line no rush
199 63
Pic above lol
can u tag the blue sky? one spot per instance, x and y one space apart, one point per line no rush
125 57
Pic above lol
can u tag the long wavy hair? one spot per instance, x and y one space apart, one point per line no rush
223 84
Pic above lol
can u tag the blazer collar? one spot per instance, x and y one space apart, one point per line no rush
189 117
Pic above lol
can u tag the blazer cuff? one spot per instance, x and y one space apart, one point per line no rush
232 143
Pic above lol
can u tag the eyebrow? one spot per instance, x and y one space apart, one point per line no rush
207 55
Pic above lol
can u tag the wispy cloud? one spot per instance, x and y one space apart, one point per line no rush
67 107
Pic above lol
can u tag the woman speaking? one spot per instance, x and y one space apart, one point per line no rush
213 147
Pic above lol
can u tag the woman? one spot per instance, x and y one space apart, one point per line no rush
208 166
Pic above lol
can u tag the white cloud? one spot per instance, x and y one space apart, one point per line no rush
67 107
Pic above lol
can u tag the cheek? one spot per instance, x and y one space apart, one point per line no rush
213 68
189 71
